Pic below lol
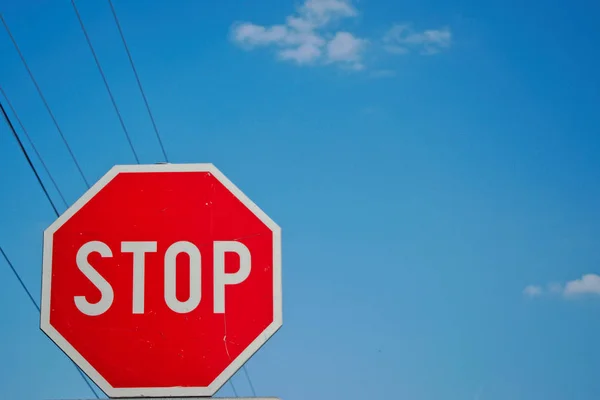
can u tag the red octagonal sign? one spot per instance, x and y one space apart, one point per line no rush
162 280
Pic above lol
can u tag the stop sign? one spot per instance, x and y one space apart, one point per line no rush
161 280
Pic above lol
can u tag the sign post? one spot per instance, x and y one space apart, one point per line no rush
161 281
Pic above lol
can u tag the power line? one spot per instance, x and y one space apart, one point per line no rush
235 393
16 274
39 90
37 307
137 78
69 149
14 132
31 144
112 99
249 380
12 128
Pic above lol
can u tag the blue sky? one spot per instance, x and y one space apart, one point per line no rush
433 165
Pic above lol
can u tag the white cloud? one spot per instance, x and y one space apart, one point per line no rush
304 54
533 290
402 39
321 12
395 49
300 24
255 35
588 284
310 37
344 47
555 288
304 38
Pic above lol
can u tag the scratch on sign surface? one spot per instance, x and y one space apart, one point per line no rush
225 336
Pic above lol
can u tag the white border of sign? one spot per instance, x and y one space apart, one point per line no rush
72 353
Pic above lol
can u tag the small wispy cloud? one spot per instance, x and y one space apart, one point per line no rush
306 37
533 290
310 37
588 284
403 39
346 48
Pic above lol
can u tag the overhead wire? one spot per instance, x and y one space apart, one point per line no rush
47 106
235 393
36 305
137 78
37 153
32 166
43 98
106 85
10 264
37 176
18 276
249 380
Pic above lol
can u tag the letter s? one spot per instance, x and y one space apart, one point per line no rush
106 291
